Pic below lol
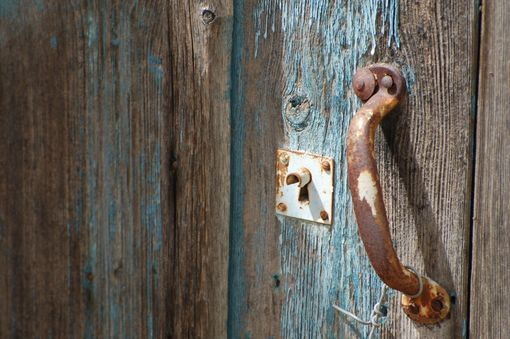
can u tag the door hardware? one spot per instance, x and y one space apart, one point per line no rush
304 186
380 87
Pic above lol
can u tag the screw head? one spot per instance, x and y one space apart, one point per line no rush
281 207
324 215
364 83
284 158
386 81
325 165
359 85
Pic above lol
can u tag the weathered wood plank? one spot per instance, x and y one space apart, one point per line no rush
430 160
491 241
293 64
110 224
200 40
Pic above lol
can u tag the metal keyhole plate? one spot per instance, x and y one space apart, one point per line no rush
314 201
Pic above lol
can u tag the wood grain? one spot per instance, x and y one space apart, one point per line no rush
200 40
489 309
430 157
112 116
293 63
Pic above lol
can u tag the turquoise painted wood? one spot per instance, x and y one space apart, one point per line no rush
293 66
322 44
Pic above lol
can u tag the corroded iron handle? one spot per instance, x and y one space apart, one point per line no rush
381 87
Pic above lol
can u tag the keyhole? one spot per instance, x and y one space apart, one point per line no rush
302 178
303 194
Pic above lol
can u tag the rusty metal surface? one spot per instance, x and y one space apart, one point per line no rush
381 87
431 306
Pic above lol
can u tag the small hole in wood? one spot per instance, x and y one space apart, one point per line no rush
276 279
208 16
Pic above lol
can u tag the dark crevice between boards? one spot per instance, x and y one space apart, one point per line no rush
475 76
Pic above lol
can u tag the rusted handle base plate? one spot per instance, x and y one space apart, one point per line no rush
432 306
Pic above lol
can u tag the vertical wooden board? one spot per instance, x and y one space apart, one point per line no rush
293 65
428 164
491 250
102 228
83 164
200 36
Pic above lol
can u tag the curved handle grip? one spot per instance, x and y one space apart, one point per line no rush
381 86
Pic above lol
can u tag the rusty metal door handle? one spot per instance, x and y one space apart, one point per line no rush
380 87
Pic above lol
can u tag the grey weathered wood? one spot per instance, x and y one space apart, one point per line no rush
112 222
294 62
489 308
427 171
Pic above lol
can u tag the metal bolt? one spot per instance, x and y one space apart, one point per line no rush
284 158
324 215
281 207
364 83
386 81
359 85
325 165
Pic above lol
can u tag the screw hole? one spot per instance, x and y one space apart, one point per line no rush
453 299
437 305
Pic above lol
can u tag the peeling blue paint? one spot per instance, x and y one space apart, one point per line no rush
92 31
39 5
323 43
320 58
9 8
54 42
236 271
156 67
410 78
314 16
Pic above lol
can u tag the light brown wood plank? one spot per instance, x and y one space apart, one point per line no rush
490 274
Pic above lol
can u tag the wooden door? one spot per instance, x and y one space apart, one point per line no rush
137 165
294 91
